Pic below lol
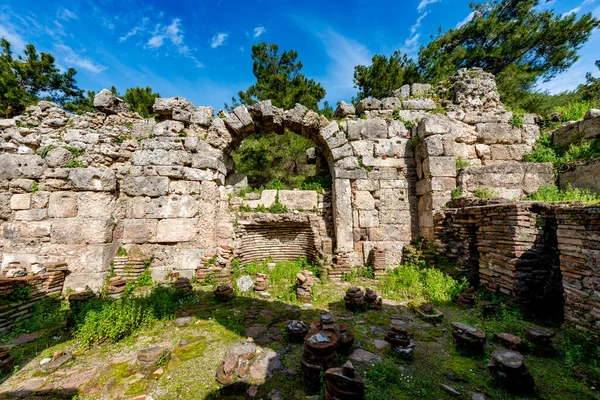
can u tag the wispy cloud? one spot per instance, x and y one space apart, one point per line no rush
172 33
578 8
218 40
259 30
9 32
72 58
141 27
424 3
65 14
467 19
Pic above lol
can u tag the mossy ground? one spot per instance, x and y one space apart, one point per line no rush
110 371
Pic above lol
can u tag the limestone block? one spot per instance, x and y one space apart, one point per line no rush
174 206
239 181
95 205
242 114
299 199
347 163
21 166
483 151
20 201
424 187
419 104
530 134
207 161
166 105
362 148
590 128
218 135
292 119
194 174
344 110
311 124
267 198
105 101
138 230
368 219
78 135
431 146
35 214
509 152
436 124
365 185
351 174
439 166
420 89
387 162
394 184
492 133
457 149
538 175
401 233
82 230
367 105
367 129
62 205
184 187
402 93
7 123
336 140
5 210
168 128
364 201
398 129
203 116
176 230
152 186
181 115
93 179
342 209
151 157
581 175
392 199
170 172
58 157
329 130
396 147
395 217
39 200
34 229
186 259
341 152
390 103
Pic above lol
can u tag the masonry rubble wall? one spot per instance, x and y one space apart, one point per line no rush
78 187
581 174
546 256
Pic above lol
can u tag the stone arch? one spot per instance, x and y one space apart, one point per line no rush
229 130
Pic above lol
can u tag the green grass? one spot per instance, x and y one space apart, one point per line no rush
74 151
517 121
551 193
461 163
74 164
456 192
575 111
485 193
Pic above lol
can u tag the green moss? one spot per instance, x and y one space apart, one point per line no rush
191 350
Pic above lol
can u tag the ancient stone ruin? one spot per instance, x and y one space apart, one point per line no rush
76 188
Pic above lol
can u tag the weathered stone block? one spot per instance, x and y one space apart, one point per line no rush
385 233
138 230
368 219
152 186
492 133
35 214
397 147
367 129
342 210
509 152
93 179
62 205
364 201
439 166
395 217
176 230
78 230
95 205
419 104
367 105
20 201
366 184
436 124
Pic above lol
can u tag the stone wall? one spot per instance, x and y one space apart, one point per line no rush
581 174
574 132
579 245
78 187
545 256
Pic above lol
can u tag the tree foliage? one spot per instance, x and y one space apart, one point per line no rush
512 39
384 75
140 100
278 79
27 78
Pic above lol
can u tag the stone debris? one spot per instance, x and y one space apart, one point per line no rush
450 390
507 368
296 330
244 284
373 299
540 338
182 321
399 337
58 360
245 362
428 313
466 298
318 356
344 383
354 299
468 338
304 282
224 292
261 282
183 285
510 341
116 286
106 102
152 356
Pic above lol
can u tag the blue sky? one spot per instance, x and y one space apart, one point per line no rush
201 49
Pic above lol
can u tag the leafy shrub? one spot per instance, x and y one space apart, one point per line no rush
245 208
543 152
145 278
20 292
35 187
317 182
275 184
461 163
575 111
456 192
551 193
485 193
517 121
122 252
277 207
261 208
74 164
74 151
47 312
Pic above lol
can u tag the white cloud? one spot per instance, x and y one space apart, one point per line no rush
66 14
425 3
578 8
172 33
467 19
410 44
9 33
259 30
137 29
72 58
218 40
